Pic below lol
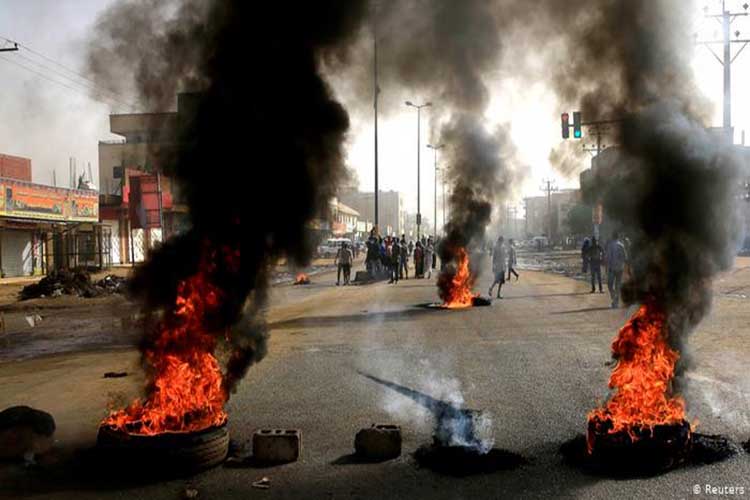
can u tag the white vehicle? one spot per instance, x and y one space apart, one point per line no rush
331 246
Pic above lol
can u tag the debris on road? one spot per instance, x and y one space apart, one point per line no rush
379 442
262 484
115 374
73 283
33 320
24 433
190 493
276 446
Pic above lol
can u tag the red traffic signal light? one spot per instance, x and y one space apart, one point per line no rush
565 125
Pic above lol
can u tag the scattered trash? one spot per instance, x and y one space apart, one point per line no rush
262 484
33 320
190 493
115 374
73 283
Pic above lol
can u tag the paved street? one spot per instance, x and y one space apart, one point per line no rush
535 360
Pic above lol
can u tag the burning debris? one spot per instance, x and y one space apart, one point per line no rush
455 287
642 416
302 279
209 284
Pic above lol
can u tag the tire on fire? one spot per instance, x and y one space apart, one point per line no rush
169 452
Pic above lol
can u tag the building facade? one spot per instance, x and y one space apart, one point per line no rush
138 202
45 228
392 216
546 217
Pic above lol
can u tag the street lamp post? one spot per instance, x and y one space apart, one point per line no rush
434 214
419 178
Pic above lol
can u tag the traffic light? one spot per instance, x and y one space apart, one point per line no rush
565 126
577 124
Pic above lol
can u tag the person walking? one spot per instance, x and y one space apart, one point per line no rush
585 255
418 260
395 260
499 259
337 261
404 260
429 251
595 255
512 262
345 261
616 258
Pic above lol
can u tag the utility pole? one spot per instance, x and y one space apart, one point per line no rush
419 147
550 187
376 93
434 214
725 19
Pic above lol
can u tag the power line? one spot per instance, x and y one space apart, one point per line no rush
92 85
42 75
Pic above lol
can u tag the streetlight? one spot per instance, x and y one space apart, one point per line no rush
434 215
419 178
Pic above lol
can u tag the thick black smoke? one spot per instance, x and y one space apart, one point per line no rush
449 52
673 185
258 150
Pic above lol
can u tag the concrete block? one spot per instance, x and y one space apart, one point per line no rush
379 442
276 445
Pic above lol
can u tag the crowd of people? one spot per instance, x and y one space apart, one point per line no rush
391 255
614 257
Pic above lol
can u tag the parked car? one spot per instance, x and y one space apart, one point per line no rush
328 249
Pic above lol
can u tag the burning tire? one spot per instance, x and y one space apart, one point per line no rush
170 452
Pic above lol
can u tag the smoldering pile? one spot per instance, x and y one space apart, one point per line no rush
462 439
78 283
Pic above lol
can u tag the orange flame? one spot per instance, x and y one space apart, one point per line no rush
457 294
642 378
186 392
302 279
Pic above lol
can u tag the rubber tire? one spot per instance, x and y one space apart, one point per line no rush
170 453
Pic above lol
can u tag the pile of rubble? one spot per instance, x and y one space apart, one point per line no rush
73 283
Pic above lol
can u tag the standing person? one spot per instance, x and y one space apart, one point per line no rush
411 247
499 259
395 260
346 260
418 260
433 261
338 262
616 258
585 255
429 251
403 269
595 254
512 262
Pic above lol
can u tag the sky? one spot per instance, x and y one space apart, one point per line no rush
48 114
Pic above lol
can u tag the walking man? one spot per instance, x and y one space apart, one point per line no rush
616 258
499 259
428 252
404 260
512 262
594 258
338 262
346 260
395 260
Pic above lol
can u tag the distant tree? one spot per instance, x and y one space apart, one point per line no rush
578 220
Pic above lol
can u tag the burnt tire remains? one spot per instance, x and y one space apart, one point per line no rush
169 453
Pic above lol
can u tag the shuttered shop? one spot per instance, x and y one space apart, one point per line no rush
16 252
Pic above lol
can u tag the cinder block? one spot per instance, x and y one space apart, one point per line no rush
276 445
379 442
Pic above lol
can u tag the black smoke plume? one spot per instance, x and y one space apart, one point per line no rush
449 52
671 184
258 144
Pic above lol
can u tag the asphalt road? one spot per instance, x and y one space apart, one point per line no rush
535 360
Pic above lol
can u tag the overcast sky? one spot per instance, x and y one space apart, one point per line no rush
52 121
